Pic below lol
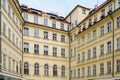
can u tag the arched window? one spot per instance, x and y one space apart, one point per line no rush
26 68
55 70
36 69
63 71
46 70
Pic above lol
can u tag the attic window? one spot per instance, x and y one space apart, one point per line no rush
83 11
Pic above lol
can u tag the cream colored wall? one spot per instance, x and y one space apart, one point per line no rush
95 43
40 58
77 15
10 48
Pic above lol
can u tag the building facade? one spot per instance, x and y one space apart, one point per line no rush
37 45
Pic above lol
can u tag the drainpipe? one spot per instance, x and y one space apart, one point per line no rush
69 52
113 52
112 45
0 40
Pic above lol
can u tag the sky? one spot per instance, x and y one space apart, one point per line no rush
62 7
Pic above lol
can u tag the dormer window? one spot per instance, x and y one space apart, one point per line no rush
62 26
36 19
103 13
109 8
95 18
76 22
54 24
84 26
90 22
83 11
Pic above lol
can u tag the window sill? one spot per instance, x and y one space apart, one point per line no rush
101 74
101 55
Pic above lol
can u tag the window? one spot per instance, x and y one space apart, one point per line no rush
118 43
78 73
95 18
54 36
71 38
110 7
26 31
70 73
16 21
89 71
83 72
101 30
74 73
36 19
9 33
118 3
45 35
118 65
89 54
26 47
55 70
74 51
25 16
68 27
94 52
83 56
78 42
109 47
13 17
84 26
71 52
83 11
45 21
54 51
4 61
45 50
63 52
62 38
88 37
94 70
83 40
108 67
36 48
90 22
101 68
46 70
13 37
62 26
17 67
4 3
17 41
109 27
26 68
76 22
118 21
36 69
9 10
53 24
103 13
4 29
36 33
9 62
78 57
63 71
74 36
13 65
94 34
102 49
